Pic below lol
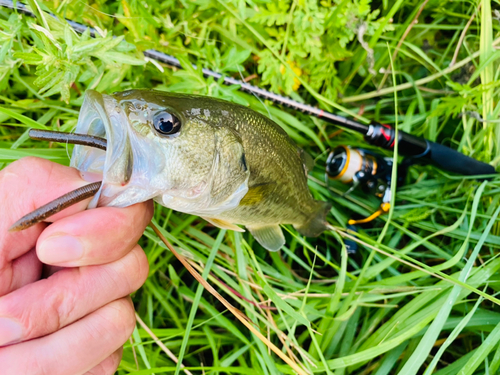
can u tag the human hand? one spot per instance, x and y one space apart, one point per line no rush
76 320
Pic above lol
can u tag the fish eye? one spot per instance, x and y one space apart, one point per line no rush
166 123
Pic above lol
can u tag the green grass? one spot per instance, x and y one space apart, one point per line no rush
421 294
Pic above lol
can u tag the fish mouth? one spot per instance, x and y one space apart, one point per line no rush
124 177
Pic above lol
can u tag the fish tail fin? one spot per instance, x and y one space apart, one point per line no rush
316 223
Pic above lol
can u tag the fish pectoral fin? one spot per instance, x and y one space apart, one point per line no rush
307 160
223 224
270 236
256 193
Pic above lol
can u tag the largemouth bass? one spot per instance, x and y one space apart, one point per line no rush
204 156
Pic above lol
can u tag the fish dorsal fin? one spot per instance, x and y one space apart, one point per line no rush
269 236
223 224
307 160
316 223
256 193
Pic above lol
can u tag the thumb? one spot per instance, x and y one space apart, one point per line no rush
24 186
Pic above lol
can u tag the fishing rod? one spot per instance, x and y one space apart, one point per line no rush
377 134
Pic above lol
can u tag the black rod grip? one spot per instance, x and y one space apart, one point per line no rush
450 160
419 148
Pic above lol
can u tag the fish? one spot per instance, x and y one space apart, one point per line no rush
200 155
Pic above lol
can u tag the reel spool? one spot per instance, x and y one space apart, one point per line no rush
362 168
354 165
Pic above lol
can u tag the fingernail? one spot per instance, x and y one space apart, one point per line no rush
60 249
10 331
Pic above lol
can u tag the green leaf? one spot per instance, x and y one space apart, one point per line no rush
21 118
280 303
29 58
123 58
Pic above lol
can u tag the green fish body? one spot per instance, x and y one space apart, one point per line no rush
203 156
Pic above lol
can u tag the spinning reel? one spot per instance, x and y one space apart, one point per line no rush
366 169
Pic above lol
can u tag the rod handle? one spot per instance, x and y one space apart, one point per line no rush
418 148
451 160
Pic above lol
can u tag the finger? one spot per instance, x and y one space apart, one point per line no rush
22 271
96 236
48 305
109 365
25 270
24 186
86 343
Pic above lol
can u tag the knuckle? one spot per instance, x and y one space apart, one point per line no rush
108 366
127 314
57 310
135 260
137 217
130 322
117 319
63 306
128 273
52 313
141 267
129 226
48 305
33 317
118 275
